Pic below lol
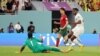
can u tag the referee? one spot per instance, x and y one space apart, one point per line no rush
31 30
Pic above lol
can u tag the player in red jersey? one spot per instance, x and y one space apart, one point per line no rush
64 27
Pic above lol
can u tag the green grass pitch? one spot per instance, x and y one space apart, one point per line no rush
87 51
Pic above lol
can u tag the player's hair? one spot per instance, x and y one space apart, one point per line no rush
76 9
62 9
31 22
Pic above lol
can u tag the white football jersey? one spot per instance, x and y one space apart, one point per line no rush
79 17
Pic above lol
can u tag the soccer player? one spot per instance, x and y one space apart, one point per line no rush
37 47
63 26
77 30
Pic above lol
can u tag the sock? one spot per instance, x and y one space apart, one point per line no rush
71 46
67 42
77 42
57 42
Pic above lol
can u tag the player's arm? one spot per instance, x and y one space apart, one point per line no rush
55 22
79 20
22 48
75 23
39 40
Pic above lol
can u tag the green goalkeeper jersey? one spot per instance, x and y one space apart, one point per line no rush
36 46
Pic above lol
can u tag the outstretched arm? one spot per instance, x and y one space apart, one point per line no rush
75 23
55 22
39 40
22 48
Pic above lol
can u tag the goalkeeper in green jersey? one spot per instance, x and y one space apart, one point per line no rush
36 46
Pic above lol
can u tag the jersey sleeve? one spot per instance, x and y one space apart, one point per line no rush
25 43
79 18
38 40
66 19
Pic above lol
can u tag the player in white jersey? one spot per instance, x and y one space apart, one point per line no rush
79 23
77 30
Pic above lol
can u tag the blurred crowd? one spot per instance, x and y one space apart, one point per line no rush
86 5
54 0
12 28
12 6
17 28
89 5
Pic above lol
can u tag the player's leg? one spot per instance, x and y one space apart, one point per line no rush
67 37
68 34
76 34
62 32
74 39
71 37
54 49
59 50
72 43
48 49
58 39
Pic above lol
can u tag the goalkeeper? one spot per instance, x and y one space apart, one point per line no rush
36 46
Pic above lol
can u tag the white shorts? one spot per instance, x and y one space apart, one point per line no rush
77 31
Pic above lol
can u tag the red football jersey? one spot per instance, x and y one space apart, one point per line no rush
63 20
